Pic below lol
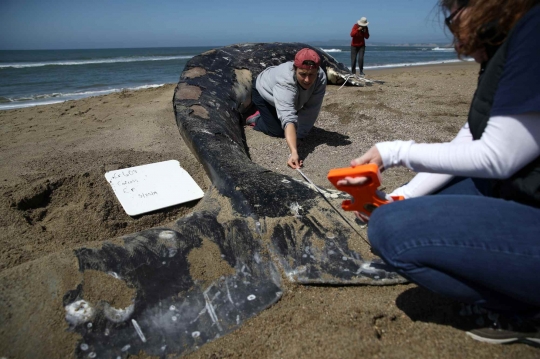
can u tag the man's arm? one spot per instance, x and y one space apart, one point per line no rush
294 160
284 99
311 109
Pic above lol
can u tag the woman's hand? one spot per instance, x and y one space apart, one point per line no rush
361 217
371 156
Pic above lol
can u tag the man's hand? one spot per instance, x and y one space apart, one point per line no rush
294 161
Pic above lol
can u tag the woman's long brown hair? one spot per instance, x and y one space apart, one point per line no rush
489 22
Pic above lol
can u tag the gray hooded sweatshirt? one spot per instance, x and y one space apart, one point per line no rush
278 86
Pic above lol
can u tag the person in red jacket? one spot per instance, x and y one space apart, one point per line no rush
359 33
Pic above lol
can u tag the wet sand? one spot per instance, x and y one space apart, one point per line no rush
54 198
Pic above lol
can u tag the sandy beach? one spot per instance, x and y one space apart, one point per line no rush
54 199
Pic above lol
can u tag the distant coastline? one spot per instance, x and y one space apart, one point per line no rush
369 43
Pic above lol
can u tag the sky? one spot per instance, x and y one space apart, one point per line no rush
76 24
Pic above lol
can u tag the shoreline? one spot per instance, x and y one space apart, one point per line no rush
55 199
50 101
455 63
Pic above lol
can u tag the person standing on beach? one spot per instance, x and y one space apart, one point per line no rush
469 227
359 34
288 98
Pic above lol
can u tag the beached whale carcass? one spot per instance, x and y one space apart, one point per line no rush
265 224
266 227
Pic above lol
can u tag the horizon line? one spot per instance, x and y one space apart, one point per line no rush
444 44
311 43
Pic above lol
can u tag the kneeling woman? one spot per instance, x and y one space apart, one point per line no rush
469 227
288 99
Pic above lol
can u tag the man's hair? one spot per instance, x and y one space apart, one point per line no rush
489 22
308 63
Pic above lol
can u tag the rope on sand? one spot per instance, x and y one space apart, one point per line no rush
366 81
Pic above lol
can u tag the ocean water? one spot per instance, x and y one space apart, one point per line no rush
37 77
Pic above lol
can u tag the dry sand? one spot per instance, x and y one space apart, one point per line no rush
54 198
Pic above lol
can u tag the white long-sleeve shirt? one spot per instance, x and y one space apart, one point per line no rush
507 144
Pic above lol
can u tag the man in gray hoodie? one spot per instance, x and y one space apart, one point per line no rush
288 98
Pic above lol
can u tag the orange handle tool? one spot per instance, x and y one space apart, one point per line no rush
365 199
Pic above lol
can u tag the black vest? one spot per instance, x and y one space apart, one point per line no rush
524 185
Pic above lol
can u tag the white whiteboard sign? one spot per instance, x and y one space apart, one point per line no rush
154 186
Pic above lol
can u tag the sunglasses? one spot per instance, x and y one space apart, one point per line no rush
449 21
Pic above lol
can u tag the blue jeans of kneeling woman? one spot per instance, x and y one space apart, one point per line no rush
464 245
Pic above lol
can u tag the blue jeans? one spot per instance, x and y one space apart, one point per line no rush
268 123
357 51
464 245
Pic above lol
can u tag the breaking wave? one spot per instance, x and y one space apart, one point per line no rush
416 64
7 103
21 65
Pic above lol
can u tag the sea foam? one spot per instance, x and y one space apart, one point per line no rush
20 65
